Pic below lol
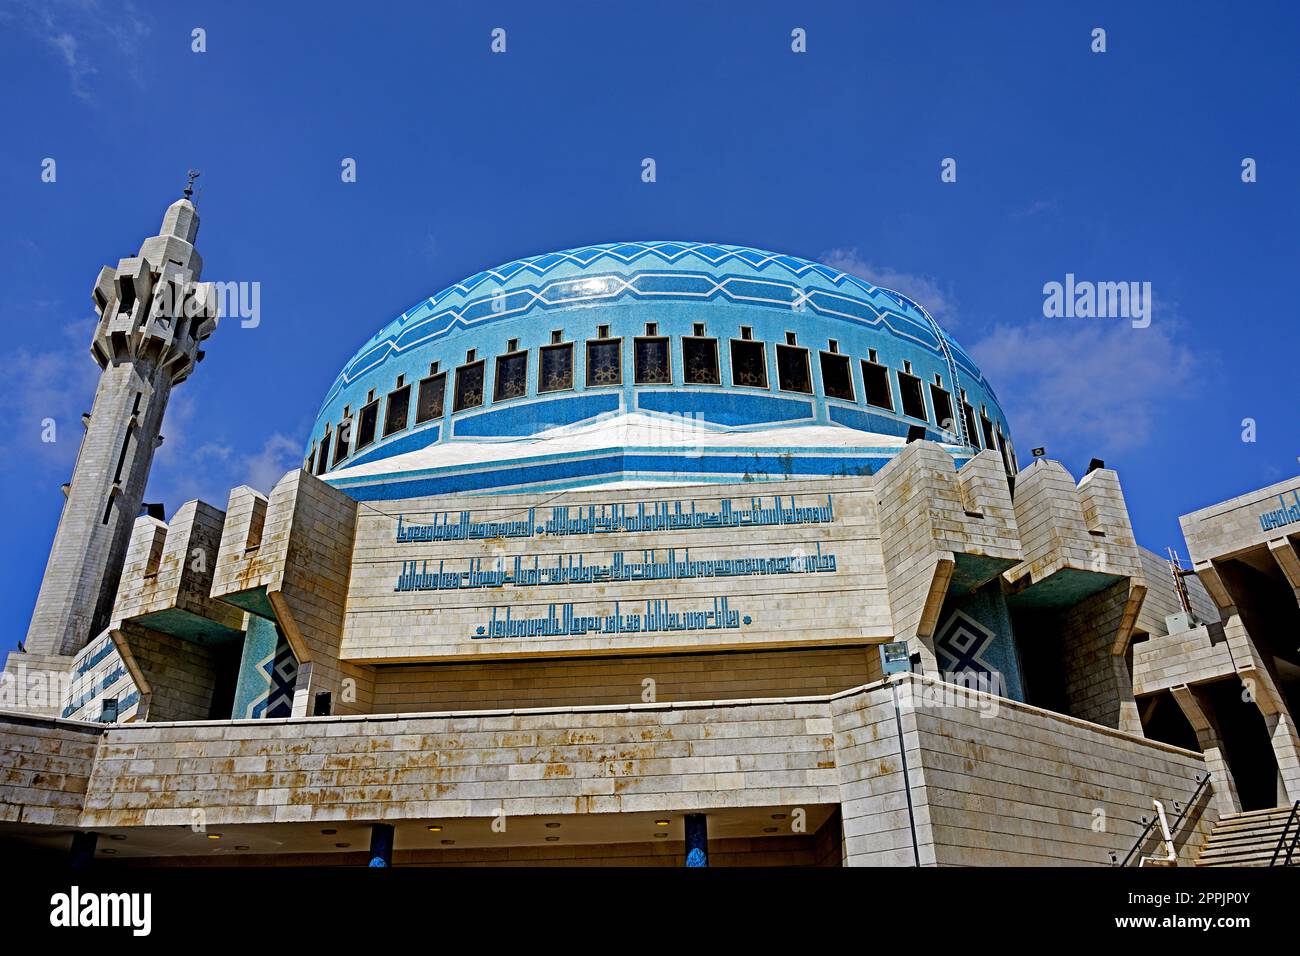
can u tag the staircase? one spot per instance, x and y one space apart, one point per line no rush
1249 839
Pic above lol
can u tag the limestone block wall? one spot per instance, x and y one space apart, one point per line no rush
988 781
580 681
1084 527
45 766
171 566
290 557
1162 600
174 677
805 599
880 804
995 782
99 673
929 512
1025 787
1190 657
1225 529
587 760
36 684
1098 685
1083 578
251 552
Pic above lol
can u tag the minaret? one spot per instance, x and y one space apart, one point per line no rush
153 315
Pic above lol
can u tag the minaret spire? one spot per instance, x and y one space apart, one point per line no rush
153 315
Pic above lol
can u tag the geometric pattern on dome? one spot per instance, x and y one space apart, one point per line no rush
836 295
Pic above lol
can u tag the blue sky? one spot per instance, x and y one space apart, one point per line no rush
1122 166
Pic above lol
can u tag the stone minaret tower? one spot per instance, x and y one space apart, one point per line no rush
153 315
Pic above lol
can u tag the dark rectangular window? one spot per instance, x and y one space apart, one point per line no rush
127 443
397 410
128 295
428 403
748 363
366 426
792 371
469 386
1005 449
343 441
604 362
555 371
942 402
972 434
837 376
323 458
875 382
988 432
652 362
700 361
909 390
512 377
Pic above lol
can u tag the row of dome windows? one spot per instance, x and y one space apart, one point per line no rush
652 365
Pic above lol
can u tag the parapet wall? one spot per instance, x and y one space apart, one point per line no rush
991 781
997 783
45 767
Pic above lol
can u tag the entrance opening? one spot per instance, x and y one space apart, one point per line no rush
1245 742
1039 643
225 673
1166 722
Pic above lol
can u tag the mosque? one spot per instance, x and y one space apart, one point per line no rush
641 553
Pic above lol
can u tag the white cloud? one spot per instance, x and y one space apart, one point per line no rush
1035 208
183 471
55 384
86 34
1086 386
922 289
58 385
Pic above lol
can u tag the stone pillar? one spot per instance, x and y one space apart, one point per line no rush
152 318
1211 743
381 845
697 839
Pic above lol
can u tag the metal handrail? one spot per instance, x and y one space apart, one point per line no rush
1201 783
1290 850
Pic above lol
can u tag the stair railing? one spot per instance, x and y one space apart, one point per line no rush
1201 783
1291 847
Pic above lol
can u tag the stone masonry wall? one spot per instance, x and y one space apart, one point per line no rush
847 605
1026 787
580 681
1098 685
44 769
593 760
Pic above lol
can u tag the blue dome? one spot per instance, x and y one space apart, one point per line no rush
647 362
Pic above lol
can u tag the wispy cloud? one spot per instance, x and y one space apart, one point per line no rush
44 386
184 470
922 289
1035 208
45 391
1088 386
85 36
